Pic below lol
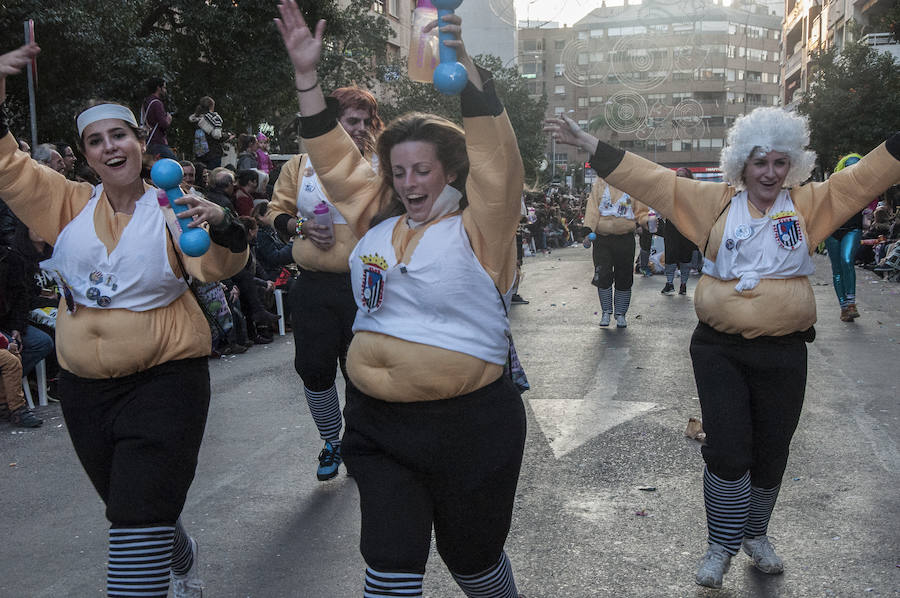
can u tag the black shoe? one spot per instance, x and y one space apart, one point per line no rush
668 289
264 317
682 290
25 418
517 300
262 340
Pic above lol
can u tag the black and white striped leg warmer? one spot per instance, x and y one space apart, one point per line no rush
383 583
606 299
670 273
140 560
623 300
762 503
496 582
182 555
685 270
326 412
727 508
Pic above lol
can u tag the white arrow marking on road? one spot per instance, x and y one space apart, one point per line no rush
569 423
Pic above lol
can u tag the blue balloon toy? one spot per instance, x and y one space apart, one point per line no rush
450 76
167 175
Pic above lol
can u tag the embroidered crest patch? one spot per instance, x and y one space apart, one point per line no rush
786 226
372 291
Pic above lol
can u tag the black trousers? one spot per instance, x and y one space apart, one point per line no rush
451 464
679 250
322 313
138 437
613 260
751 393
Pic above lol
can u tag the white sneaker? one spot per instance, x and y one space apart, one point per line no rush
713 566
763 554
188 585
604 319
620 321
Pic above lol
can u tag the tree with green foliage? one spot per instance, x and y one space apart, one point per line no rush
227 49
852 102
402 95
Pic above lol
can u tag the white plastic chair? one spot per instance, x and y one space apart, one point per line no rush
279 307
40 371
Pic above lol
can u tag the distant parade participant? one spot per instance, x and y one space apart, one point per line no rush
756 307
678 251
435 428
321 302
610 218
842 246
132 341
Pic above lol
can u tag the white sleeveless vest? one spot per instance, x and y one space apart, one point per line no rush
310 194
135 276
772 246
443 297
623 208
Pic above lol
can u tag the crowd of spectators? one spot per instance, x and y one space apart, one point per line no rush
552 218
880 251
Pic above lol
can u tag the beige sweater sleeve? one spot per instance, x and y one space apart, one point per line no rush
40 197
494 191
351 183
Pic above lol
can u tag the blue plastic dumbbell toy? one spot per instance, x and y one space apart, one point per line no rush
450 76
592 236
167 175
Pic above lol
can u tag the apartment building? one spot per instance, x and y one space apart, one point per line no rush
656 80
814 25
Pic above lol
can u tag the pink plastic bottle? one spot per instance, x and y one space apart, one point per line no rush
423 47
323 216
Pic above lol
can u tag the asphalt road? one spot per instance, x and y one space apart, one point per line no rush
607 413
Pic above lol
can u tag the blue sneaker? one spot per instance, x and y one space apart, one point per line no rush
329 461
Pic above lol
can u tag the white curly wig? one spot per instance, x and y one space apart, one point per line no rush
768 129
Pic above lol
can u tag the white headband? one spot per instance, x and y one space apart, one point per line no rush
101 112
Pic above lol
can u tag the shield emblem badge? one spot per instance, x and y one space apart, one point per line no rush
787 231
373 279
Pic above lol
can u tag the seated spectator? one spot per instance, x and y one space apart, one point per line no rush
68 156
12 394
221 188
43 292
15 296
47 155
272 253
247 182
255 290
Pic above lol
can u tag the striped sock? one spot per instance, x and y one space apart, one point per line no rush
606 299
382 583
326 412
762 503
140 561
496 582
623 300
727 508
670 273
182 555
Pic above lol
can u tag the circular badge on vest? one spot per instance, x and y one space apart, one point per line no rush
309 171
93 293
96 276
743 231
104 301
729 244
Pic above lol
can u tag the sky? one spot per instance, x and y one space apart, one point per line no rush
569 12
566 12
